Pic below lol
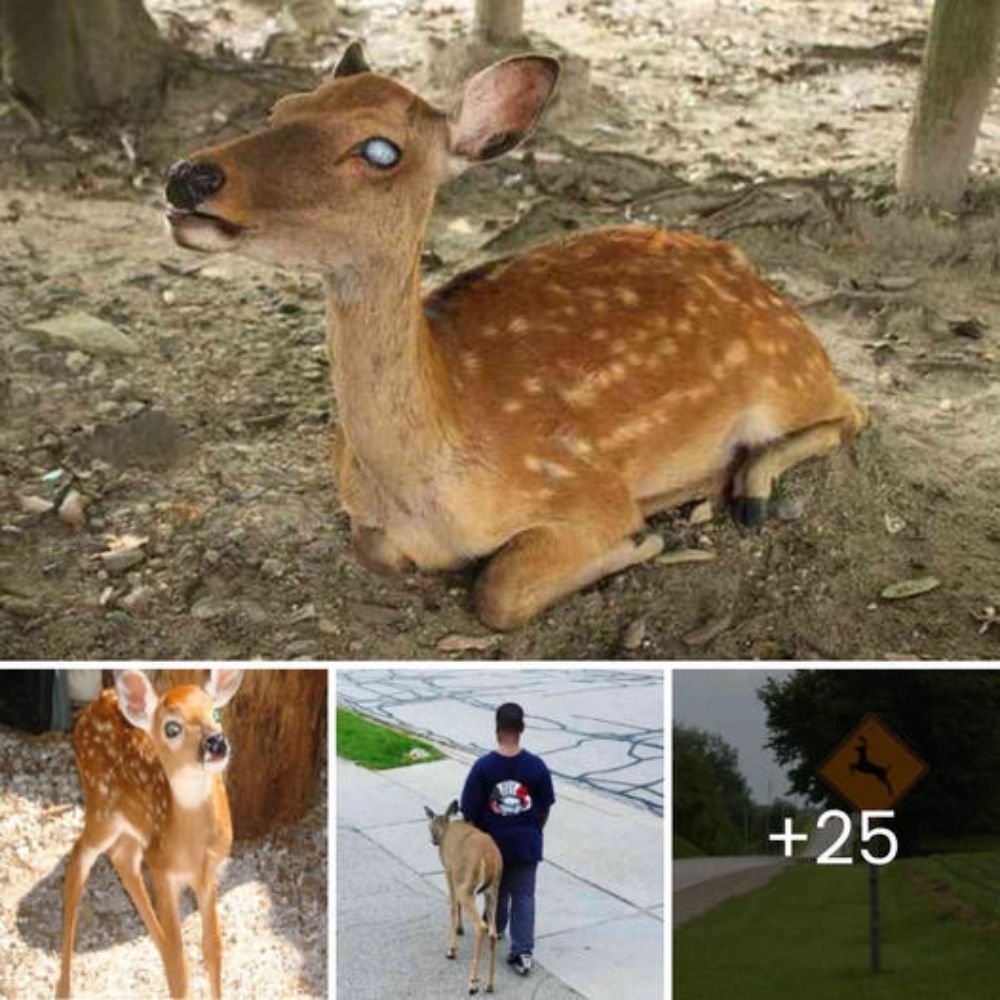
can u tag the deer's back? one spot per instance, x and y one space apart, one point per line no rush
588 351
119 770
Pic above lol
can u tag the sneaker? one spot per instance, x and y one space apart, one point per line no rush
522 965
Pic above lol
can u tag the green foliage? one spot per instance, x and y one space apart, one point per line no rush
967 885
805 934
683 848
378 747
711 797
948 716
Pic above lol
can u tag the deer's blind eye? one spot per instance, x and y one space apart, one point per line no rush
217 715
172 730
380 152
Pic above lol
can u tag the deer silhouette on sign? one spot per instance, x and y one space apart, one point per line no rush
864 766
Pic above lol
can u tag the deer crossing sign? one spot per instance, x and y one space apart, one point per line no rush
872 768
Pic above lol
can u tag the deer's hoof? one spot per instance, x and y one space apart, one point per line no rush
751 512
459 929
473 988
450 953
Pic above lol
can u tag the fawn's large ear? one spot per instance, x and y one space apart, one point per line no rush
222 684
136 697
430 812
352 62
500 107
452 809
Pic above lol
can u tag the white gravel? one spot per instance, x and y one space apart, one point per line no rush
272 903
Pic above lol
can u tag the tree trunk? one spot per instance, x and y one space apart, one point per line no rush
499 22
958 74
73 59
277 726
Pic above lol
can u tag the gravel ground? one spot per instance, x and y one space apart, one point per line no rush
272 903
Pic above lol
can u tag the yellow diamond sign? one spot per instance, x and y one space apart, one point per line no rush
873 768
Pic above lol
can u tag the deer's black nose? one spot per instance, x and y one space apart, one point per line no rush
216 745
189 184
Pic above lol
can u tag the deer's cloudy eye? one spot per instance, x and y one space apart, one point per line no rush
172 730
381 152
217 715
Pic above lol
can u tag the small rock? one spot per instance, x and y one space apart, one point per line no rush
273 568
120 560
417 753
910 588
686 556
299 648
328 626
208 608
455 643
946 406
106 408
119 389
304 614
635 635
169 296
134 407
790 508
893 523
896 282
35 505
137 600
76 361
80 331
702 513
71 510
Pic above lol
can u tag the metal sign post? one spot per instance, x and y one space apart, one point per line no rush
873 769
873 914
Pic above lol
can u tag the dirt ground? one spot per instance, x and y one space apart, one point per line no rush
272 897
775 125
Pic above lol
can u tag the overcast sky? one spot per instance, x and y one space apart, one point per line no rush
724 702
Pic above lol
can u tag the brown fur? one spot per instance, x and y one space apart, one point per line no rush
133 813
472 864
537 411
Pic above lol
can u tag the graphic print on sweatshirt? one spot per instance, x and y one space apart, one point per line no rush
510 798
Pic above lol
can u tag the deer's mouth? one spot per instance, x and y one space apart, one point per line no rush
196 230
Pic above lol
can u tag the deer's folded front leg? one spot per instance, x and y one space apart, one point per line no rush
544 564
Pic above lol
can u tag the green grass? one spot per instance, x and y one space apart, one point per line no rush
683 848
964 882
378 747
805 934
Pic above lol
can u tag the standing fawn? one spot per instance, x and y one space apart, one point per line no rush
472 864
151 770
534 410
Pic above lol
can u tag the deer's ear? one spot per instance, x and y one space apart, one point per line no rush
136 698
352 62
452 809
222 684
429 812
500 107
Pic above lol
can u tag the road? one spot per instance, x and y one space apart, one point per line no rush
701 883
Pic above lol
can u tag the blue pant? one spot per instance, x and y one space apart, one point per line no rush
517 899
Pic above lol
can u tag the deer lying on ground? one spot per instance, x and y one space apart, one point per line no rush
534 410
151 770
472 864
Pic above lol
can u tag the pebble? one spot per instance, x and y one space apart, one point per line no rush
119 389
635 635
702 513
686 556
34 505
273 568
71 510
456 643
790 508
85 333
208 608
76 361
121 560
909 588
137 600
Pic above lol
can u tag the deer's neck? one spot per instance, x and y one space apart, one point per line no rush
387 374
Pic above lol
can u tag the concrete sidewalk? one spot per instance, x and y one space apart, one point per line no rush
599 931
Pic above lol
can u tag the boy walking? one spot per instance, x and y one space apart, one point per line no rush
508 794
